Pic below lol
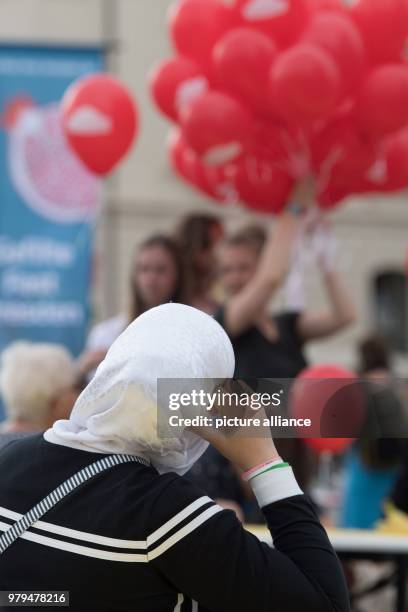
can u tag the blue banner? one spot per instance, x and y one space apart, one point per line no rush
47 200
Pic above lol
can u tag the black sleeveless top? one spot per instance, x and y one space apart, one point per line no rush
258 357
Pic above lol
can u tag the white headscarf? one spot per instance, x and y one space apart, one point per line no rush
117 412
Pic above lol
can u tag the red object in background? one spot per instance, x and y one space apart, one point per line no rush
335 446
389 170
337 34
13 110
332 398
217 183
382 103
324 5
305 84
196 26
274 142
242 61
341 157
328 61
100 121
384 27
282 20
217 127
263 187
176 82
359 167
330 196
396 160
329 144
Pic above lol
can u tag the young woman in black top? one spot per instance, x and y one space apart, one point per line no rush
138 536
253 268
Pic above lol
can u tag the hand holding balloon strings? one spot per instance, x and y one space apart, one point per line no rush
316 242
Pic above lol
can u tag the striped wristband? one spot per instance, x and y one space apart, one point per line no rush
273 482
264 467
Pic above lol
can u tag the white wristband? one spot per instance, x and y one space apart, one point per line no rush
275 485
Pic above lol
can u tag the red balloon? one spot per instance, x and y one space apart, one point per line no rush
100 121
332 399
242 60
330 197
305 84
282 146
325 5
384 26
217 127
378 179
336 33
389 172
382 103
263 187
335 446
339 187
276 143
346 162
217 183
396 156
196 25
283 20
340 154
174 83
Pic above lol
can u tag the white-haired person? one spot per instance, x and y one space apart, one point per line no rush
38 387
98 506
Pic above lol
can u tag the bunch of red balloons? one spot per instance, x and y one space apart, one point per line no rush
264 92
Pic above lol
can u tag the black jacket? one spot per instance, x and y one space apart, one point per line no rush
131 539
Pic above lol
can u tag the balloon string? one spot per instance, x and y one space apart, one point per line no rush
328 166
298 165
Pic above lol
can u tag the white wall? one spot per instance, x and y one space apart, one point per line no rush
57 21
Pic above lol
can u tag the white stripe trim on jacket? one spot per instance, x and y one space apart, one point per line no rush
112 542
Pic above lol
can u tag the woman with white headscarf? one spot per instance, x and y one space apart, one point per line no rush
98 507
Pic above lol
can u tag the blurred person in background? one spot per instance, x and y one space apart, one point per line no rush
372 463
156 278
38 386
399 495
396 507
197 237
252 268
